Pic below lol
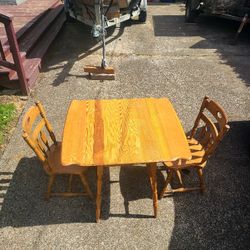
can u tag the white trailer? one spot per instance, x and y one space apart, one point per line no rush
90 12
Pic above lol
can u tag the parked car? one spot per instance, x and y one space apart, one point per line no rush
231 9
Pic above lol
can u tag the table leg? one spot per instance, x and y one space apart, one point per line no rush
153 181
99 170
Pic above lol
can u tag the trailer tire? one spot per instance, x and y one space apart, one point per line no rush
190 13
143 16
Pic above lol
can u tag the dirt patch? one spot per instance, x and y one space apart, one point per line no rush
10 96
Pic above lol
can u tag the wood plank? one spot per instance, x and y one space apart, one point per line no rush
8 73
122 131
7 64
30 66
33 64
28 41
44 43
34 10
98 70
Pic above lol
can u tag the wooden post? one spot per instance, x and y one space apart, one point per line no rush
14 48
2 52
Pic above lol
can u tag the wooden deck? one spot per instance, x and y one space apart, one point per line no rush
36 24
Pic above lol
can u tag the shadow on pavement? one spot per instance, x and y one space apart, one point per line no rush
135 185
216 33
220 218
76 49
23 198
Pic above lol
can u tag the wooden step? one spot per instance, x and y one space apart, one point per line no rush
28 41
32 64
6 83
32 18
36 40
41 48
8 72
31 68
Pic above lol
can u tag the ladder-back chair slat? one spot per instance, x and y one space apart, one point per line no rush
37 130
30 118
40 145
47 123
45 140
210 133
34 147
217 111
34 122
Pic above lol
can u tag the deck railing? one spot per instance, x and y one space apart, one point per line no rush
14 49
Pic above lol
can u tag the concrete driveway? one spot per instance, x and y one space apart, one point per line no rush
164 57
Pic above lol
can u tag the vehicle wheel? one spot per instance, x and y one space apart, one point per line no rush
190 14
143 16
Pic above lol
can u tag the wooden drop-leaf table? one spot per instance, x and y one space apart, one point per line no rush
105 133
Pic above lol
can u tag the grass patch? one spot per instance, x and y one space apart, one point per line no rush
7 113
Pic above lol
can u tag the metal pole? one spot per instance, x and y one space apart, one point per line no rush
104 63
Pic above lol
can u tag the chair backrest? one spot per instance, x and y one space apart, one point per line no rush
37 131
215 125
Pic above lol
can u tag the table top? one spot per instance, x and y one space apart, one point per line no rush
122 131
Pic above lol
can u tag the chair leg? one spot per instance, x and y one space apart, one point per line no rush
50 184
202 183
86 186
168 180
178 173
70 183
99 173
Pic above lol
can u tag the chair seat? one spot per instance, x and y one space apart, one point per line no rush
197 153
54 159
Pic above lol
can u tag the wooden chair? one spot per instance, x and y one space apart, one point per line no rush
37 132
202 143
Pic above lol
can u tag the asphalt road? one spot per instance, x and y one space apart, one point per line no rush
164 57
